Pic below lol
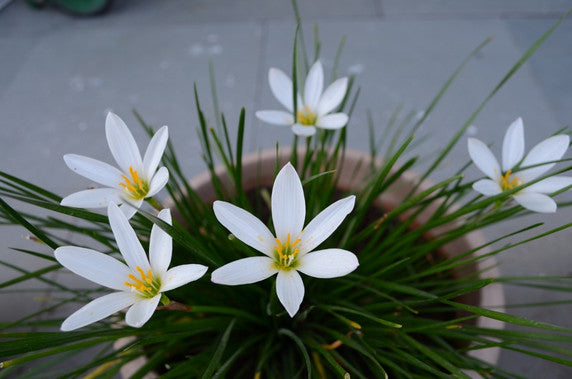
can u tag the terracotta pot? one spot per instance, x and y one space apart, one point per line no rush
258 170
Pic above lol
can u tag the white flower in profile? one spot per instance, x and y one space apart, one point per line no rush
313 109
290 251
139 283
514 168
136 178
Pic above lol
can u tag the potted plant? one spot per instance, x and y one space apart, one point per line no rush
310 261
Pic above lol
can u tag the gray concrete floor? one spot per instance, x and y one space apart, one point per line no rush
59 76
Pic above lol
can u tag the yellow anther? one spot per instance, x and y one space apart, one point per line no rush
135 186
278 246
134 278
286 251
306 117
507 183
148 278
139 284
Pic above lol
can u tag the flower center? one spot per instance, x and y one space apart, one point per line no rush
146 286
306 117
285 253
135 187
508 182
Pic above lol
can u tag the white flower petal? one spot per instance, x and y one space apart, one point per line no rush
98 309
99 172
93 198
93 265
549 185
281 87
290 290
332 121
141 311
332 96
130 207
244 271
244 226
155 152
303 130
329 263
487 187
535 202
127 242
325 223
314 86
122 144
288 204
513 145
551 149
484 159
158 182
160 245
275 117
180 275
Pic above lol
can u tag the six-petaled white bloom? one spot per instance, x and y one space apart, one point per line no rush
514 168
290 251
139 283
313 109
136 178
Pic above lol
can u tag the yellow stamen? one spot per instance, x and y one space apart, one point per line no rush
136 188
306 117
139 284
286 252
507 183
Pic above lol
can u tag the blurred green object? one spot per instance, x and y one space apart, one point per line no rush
76 7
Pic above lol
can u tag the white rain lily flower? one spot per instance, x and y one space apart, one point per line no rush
136 178
313 109
139 283
534 196
290 251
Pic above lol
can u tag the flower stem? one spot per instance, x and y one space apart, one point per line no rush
165 300
154 203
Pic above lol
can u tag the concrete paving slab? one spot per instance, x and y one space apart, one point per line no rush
19 20
85 74
240 10
169 12
552 75
63 74
472 9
